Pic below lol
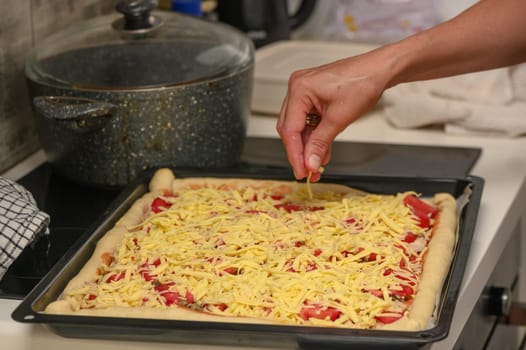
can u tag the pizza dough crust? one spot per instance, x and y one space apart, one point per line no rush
436 265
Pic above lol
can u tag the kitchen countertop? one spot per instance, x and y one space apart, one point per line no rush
502 165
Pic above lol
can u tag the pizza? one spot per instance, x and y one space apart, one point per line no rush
271 252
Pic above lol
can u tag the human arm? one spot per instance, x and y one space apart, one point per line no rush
488 35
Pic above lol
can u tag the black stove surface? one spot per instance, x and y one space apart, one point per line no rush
71 207
74 207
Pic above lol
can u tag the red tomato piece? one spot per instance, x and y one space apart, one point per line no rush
171 298
221 306
276 197
376 292
288 207
388 271
190 299
311 267
149 277
405 293
231 270
115 277
424 220
319 312
288 265
350 221
387 319
159 203
315 208
421 210
346 253
419 205
298 244
403 264
410 237
162 287
317 252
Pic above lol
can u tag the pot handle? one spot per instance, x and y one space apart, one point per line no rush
75 113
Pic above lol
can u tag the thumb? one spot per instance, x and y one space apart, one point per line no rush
318 146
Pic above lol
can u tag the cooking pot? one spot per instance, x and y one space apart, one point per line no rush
125 92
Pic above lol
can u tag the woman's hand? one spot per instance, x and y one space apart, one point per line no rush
338 93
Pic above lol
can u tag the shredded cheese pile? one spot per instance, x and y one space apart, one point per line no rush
294 258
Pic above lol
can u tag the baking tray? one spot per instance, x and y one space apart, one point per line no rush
30 310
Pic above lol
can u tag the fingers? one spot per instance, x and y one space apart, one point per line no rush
291 128
317 149
307 146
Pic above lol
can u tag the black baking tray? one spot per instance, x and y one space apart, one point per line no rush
30 310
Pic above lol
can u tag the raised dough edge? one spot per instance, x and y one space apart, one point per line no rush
436 266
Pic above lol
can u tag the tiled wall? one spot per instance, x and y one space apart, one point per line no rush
22 24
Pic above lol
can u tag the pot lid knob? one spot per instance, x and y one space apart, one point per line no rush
137 15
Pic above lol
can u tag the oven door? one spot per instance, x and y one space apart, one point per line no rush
488 327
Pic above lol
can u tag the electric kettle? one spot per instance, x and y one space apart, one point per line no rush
264 21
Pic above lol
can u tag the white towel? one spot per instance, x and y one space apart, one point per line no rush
20 221
489 103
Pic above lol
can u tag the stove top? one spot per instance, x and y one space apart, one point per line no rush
74 207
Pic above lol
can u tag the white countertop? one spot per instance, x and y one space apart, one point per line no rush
502 165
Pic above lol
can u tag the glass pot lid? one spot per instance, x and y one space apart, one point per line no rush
139 48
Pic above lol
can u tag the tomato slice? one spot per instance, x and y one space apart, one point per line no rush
421 209
410 237
163 287
298 244
320 312
190 299
288 207
419 205
158 204
221 306
376 292
386 319
424 220
231 270
171 298
147 276
405 293
115 277
311 267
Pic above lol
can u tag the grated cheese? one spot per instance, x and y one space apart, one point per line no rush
252 253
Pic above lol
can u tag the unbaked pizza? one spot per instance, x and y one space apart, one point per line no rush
275 252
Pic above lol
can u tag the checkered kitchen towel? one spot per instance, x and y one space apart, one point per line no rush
20 221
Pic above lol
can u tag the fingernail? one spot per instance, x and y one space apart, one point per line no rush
314 161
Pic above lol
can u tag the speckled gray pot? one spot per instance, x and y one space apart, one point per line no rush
195 125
